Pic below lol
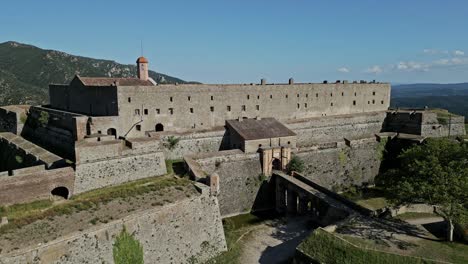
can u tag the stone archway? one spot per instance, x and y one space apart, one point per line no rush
159 127
60 191
276 164
112 132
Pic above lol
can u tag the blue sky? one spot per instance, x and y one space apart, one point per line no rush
242 41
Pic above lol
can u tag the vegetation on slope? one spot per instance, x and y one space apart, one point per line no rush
26 71
127 250
435 173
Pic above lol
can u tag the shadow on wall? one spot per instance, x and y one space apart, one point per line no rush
265 198
225 143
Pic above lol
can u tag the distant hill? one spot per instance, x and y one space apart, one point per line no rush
453 97
26 71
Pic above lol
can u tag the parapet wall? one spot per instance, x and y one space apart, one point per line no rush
107 163
187 231
33 183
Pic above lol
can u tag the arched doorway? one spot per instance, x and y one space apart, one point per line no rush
276 164
60 191
112 132
159 127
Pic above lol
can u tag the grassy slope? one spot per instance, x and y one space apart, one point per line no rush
327 248
26 71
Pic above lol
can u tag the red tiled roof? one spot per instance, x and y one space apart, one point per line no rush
103 81
142 60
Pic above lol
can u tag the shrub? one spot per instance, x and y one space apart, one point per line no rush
172 142
295 164
127 250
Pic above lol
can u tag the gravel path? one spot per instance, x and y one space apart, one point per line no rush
275 241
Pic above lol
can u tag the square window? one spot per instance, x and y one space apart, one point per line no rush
257 107
212 108
158 111
191 110
271 96
248 97
373 93
342 94
189 98
354 102
316 95
138 127
381 102
129 99
331 94
170 98
355 94
212 98
145 111
305 105
298 106
171 111
331 104
228 108
297 95
373 101
307 95
243 108
137 111
286 96
258 97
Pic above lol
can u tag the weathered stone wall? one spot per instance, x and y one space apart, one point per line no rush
170 105
54 130
189 144
335 128
242 188
433 126
111 163
33 183
339 165
12 118
187 231
12 158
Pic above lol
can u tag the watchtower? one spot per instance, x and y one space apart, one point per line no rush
142 65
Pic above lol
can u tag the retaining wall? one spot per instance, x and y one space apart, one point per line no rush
187 231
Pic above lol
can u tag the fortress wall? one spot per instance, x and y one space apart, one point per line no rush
12 158
52 129
335 128
12 118
187 231
95 151
113 171
213 104
100 124
340 166
34 183
434 127
241 187
190 144
404 122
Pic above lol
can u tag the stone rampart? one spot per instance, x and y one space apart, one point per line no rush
107 163
186 231
339 165
54 130
13 118
190 144
34 183
242 187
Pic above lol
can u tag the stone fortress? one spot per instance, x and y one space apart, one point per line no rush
100 132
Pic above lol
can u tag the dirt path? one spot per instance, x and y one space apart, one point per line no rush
275 241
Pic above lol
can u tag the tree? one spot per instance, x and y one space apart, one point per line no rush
127 250
435 173
295 164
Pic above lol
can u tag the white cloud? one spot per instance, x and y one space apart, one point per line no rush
374 69
343 70
459 53
435 51
412 66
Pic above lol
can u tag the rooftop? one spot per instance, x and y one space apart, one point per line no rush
251 129
106 81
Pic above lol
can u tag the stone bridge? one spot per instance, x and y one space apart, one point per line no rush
296 195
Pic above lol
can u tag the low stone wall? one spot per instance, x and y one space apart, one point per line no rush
34 183
190 144
12 158
187 231
338 165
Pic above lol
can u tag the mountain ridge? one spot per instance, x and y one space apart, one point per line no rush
27 70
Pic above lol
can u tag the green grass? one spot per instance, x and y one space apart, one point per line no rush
234 228
327 248
428 249
24 214
373 203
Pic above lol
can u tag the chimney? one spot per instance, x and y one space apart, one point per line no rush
142 67
291 81
263 81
